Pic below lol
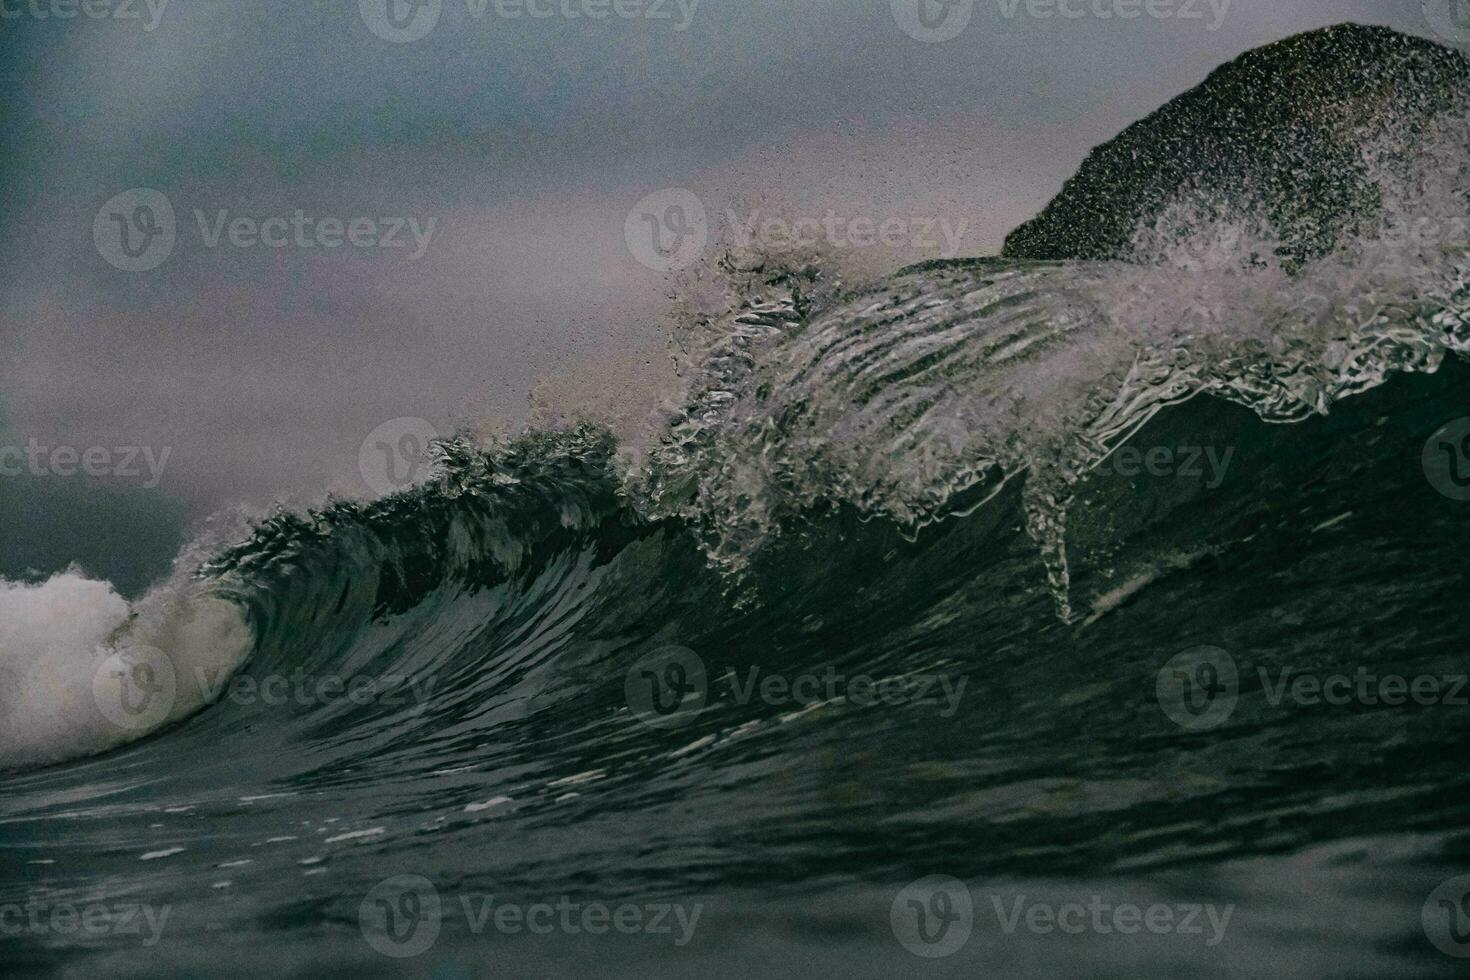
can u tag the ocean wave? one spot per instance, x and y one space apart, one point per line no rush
944 390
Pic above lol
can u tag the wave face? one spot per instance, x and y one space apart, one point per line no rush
895 593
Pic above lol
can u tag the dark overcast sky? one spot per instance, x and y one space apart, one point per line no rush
527 141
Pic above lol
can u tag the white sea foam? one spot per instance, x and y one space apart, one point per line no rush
911 398
82 670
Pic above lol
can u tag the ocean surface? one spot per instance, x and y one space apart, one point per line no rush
1070 616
